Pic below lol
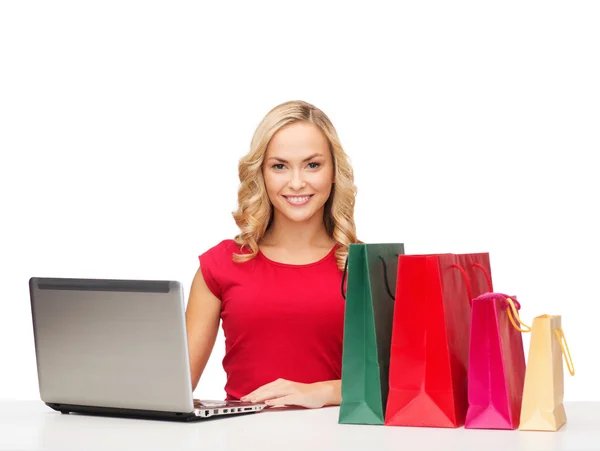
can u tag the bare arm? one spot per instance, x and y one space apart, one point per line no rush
202 321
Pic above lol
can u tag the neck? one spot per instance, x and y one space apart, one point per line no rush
297 235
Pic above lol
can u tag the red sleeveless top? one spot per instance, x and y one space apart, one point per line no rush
279 320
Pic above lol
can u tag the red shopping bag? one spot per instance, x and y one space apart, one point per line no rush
496 373
430 337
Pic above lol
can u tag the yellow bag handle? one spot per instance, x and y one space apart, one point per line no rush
565 350
560 334
512 313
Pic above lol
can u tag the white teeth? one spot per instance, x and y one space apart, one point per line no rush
298 200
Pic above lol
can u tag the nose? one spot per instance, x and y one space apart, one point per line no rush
296 182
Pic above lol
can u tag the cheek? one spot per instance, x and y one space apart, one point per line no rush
323 182
273 184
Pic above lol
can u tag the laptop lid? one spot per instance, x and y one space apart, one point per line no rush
111 343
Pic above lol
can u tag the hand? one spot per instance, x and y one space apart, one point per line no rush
287 393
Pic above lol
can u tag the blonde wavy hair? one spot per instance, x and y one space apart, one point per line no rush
255 211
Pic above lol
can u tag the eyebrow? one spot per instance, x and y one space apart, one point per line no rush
306 159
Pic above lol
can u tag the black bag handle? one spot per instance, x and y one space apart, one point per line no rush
385 277
344 276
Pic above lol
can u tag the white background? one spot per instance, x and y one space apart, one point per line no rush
470 126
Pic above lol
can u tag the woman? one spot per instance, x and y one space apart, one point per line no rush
276 286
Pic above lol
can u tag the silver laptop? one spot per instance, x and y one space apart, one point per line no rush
118 348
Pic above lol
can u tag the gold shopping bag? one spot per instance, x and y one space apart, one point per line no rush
542 407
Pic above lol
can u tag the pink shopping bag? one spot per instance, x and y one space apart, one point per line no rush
496 372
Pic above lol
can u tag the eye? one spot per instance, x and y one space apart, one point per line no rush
314 165
278 166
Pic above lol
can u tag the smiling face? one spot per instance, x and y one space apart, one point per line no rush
298 171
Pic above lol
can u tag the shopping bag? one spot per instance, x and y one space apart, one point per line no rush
496 369
371 274
430 339
542 408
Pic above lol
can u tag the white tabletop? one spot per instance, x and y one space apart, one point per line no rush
30 425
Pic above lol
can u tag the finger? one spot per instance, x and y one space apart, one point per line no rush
259 392
288 400
276 389
275 392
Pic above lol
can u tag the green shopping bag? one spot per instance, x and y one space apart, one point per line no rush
371 271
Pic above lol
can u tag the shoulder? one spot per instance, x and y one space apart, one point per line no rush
222 252
217 265
225 246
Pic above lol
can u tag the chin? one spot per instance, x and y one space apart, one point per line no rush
298 217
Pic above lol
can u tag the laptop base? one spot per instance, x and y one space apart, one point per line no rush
126 413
